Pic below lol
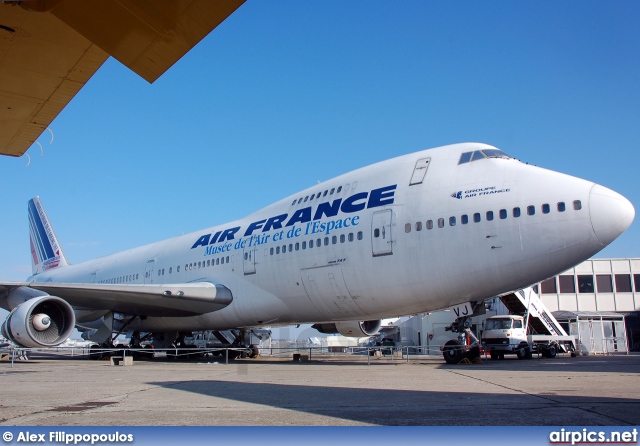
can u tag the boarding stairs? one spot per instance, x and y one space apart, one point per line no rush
540 320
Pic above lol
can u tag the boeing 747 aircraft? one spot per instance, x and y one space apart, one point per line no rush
417 233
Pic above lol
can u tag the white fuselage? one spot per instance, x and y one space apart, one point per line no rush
387 248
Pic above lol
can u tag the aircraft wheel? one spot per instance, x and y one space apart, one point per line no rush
453 352
473 353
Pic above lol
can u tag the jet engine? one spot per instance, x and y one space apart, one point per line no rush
43 321
350 328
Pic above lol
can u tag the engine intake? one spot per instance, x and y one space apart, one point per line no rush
350 328
44 321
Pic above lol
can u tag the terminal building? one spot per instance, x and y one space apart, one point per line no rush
598 301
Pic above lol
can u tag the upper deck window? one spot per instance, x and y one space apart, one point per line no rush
480 154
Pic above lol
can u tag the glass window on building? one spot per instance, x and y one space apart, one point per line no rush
567 284
636 282
603 282
549 286
585 284
623 283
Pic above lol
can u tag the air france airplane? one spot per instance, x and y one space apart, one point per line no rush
417 233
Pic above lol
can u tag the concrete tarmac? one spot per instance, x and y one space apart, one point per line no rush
328 391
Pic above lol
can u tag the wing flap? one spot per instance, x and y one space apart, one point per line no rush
168 300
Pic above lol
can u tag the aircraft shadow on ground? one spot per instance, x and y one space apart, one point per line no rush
391 407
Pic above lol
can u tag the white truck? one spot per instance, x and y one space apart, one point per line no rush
508 335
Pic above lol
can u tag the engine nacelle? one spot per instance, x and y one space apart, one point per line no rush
355 329
44 321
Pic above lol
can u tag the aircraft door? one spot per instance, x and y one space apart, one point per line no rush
148 273
419 171
381 233
249 261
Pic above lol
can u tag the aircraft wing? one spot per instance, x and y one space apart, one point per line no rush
50 48
185 299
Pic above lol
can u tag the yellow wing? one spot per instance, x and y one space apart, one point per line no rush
50 48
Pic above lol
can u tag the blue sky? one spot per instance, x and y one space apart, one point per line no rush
284 94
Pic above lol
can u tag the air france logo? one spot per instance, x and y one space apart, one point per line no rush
304 221
472 193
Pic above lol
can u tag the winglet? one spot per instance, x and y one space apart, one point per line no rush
46 252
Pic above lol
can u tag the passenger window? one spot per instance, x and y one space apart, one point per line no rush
418 226
284 249
407 227
304 245
577 205
306 198
429 224
476 217
561 206
516 212
290 247
546 208
311 197
294 202
531 210
326 241
334 240
489 215
246 256
297 246
300 200
342 238
359 235
503 214
452 221
271 251
351 236
376 232
325 193
464 219
339 189
441 222
218 261
333 189
310 244
277 250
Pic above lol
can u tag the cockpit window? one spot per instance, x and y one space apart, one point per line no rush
465 157
495 153
480 154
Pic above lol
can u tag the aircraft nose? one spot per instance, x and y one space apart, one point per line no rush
611 214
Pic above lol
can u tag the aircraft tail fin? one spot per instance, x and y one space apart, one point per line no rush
46 252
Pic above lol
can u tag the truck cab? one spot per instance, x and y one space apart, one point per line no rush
506 334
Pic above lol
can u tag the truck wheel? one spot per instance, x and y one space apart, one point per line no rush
453 352
552 351
521 353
